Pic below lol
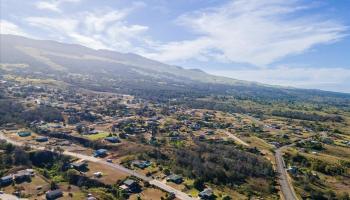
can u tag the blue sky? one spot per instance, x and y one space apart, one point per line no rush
300 43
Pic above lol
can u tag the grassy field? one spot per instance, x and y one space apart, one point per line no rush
98 136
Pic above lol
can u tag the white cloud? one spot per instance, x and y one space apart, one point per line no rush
251 31
100 29
334 79
87 41
53 5
55 25
96 22
7 27
181 50
245 31
242 31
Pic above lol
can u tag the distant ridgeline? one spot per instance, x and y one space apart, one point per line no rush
103 70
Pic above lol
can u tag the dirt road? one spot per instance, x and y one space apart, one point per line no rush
230 135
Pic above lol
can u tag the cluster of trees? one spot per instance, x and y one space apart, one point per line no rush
316 145
11 156
307 180
14 112
314 193
307 116
17 156
327 168
110 109
10 112
210 105
87 116
216 163
319 165
43 113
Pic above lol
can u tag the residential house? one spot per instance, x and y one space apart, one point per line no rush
24 133
100 153
112 139
23 175
210 132
54 194
131 186
142 164
175 179
327 140
202 137
6 180
10 126
42 139
292 169
80 166
207 193
196 127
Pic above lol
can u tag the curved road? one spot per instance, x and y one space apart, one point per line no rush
179 194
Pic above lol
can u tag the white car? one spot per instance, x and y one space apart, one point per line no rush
98 174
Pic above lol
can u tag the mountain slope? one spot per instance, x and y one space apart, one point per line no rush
130 73
59 56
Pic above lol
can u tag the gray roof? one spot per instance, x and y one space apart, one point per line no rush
174 177
207 192
129 182
54 194
4 178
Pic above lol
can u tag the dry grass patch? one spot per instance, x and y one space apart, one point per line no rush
149 194
110 175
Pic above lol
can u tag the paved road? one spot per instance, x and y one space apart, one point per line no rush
178 194
156 183
286 187
163 186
